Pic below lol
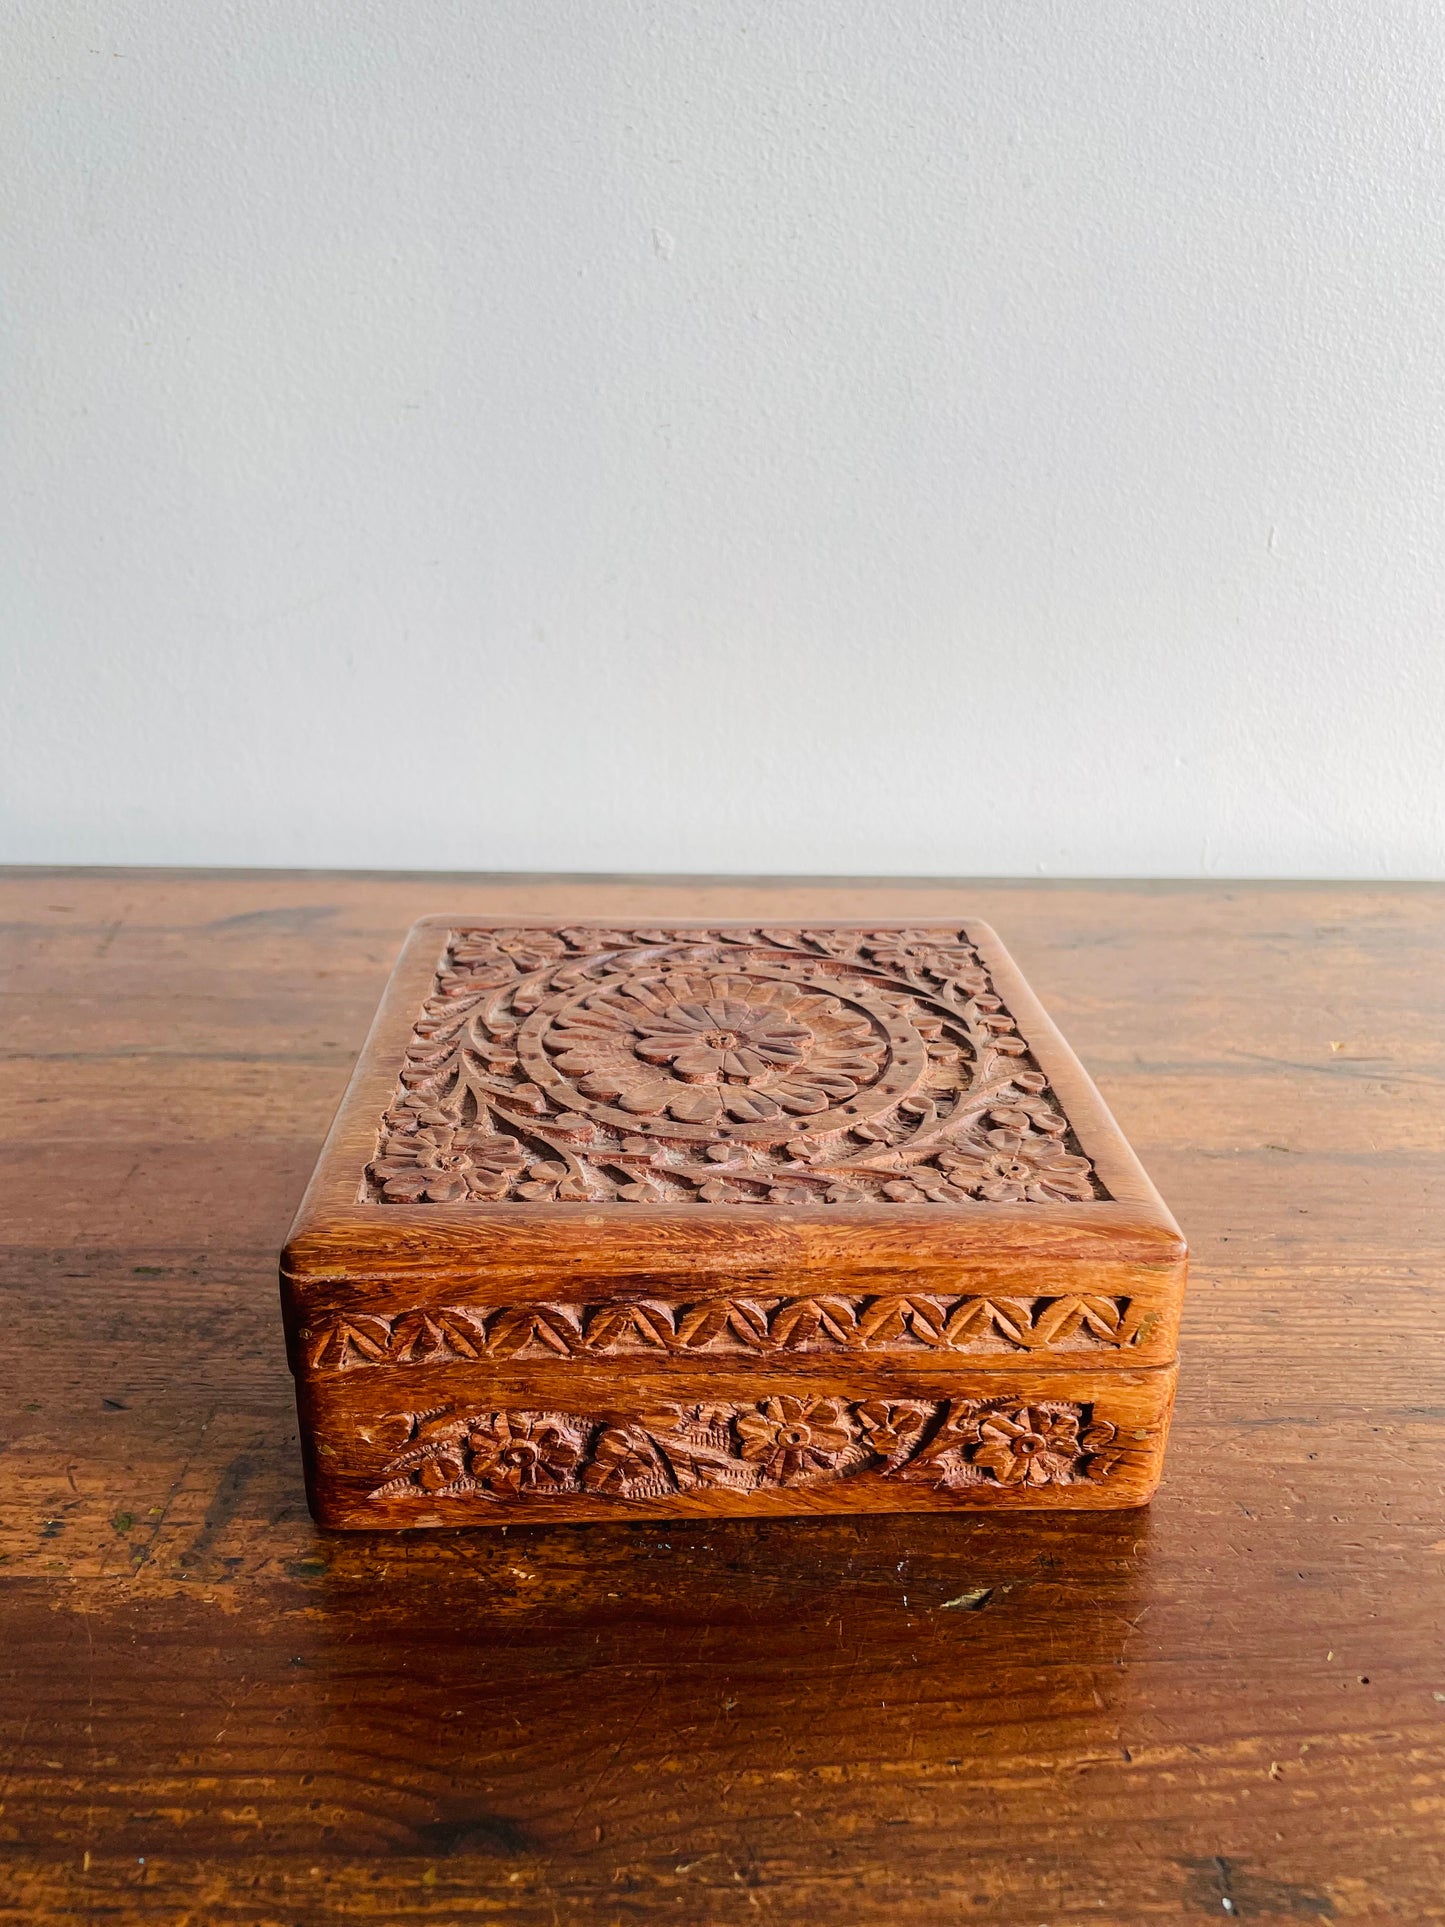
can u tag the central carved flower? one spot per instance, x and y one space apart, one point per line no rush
728 1041
703 1046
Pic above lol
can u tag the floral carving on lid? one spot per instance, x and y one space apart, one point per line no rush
442 1165
731 1042
495 951
721 1066
714 1047
1024 1158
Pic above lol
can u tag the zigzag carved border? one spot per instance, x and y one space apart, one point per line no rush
738 1326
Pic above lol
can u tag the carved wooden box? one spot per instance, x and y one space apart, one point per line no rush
723 1219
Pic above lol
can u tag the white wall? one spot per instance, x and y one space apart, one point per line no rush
953 436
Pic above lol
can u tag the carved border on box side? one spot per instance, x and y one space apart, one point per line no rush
737 1327
779 1442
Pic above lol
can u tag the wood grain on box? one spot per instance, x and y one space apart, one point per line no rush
836 1166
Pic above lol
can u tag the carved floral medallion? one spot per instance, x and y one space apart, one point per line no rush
725 1066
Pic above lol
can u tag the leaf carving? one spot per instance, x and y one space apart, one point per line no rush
626 1463
977 1318
798 1323
466 1336
892 1322
1102 1316
942 1456
795 1325
1060 1320
513 1330
721 1318
885 1322
610 1327
1056 1321
1011 1318
839 1321
416 1335
925 1320
322 1347
371 1337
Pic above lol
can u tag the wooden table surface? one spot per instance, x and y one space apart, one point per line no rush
1229 1706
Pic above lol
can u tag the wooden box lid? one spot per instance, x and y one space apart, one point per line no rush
824 1105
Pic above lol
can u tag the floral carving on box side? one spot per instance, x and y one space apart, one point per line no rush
724 1066
730 1327
779 1442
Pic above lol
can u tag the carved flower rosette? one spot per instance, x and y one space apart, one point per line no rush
721 1067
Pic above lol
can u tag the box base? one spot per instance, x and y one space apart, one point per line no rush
450 1447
